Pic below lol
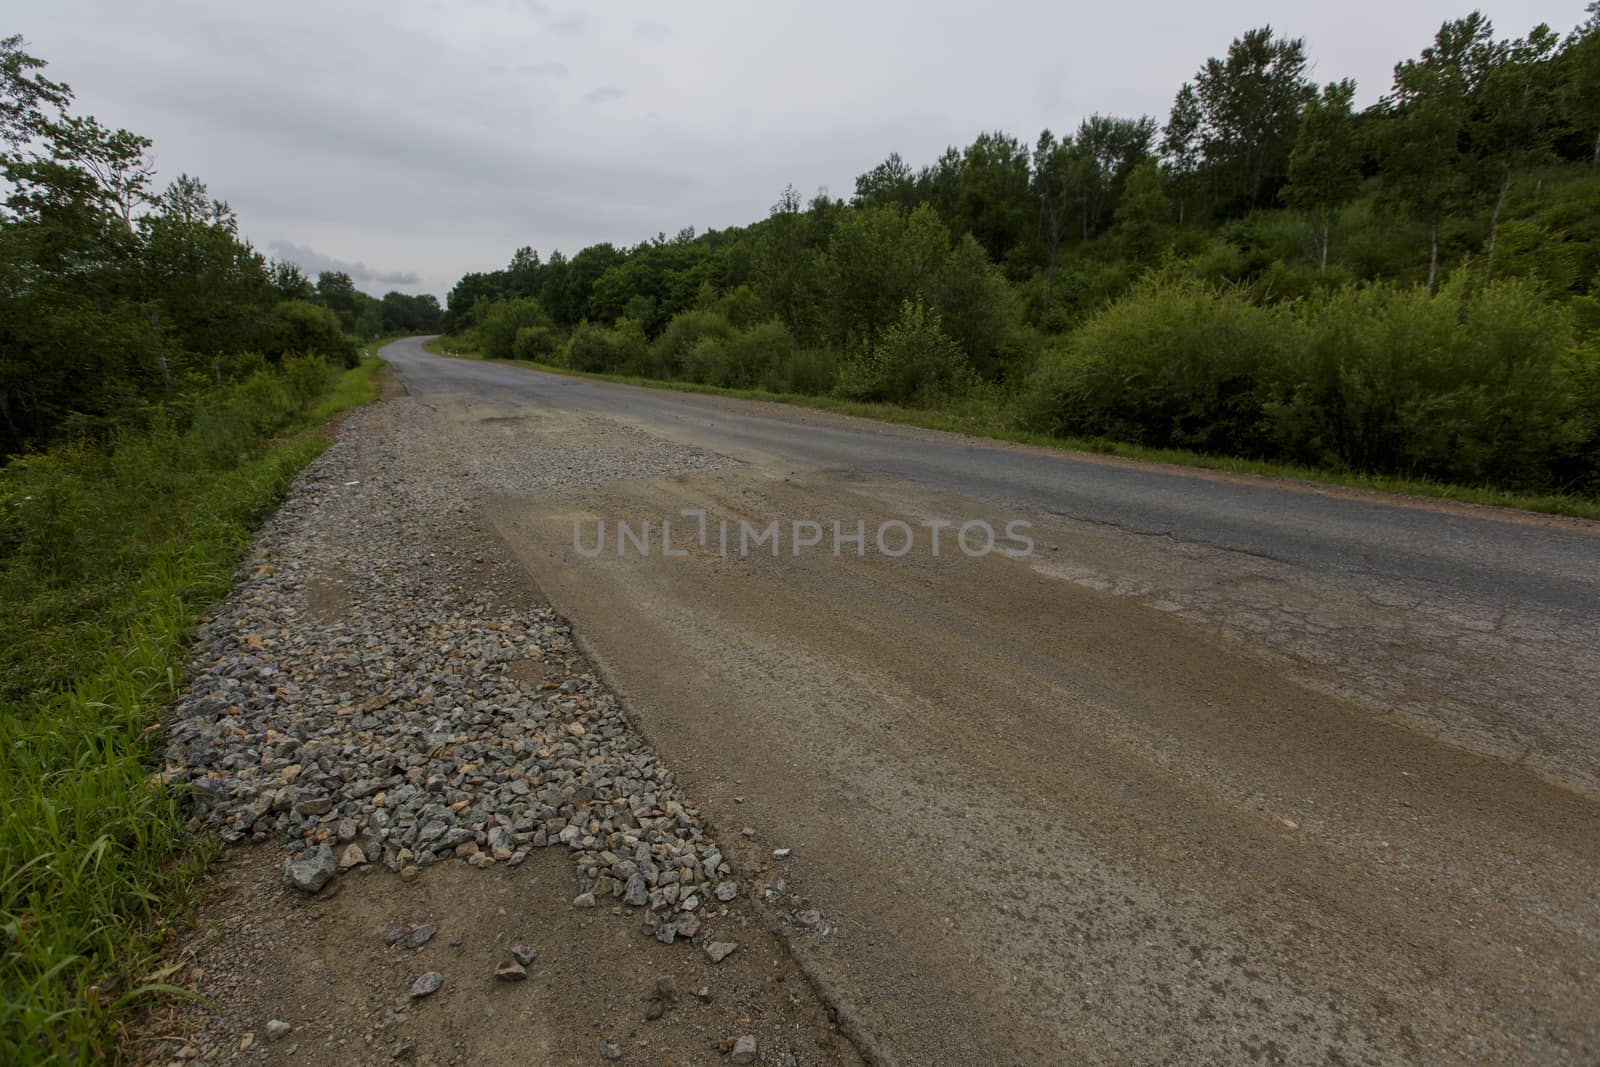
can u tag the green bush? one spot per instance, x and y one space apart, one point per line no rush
621 349
301 326
536 344
1463 385
744 361
809 371
669 354
500 323
1175 364
913 363
1575 467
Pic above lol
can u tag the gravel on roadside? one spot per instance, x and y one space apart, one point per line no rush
363 698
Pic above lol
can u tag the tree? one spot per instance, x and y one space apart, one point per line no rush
1143 211
290 282
1580 79
994 200
1105 151
976 306
1424 124
1182 148
337 292
1250 104
25 94
1325 165
1513 119
1055 189
891 182
878 259
786 271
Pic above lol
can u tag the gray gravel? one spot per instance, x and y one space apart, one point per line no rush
366 696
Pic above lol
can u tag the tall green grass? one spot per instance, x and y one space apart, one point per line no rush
108 555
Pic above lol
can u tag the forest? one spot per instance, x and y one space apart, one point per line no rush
1412 288
121 301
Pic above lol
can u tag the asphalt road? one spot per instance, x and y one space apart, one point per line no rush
1489 558
1225 770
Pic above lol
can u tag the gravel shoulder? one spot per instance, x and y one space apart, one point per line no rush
393 731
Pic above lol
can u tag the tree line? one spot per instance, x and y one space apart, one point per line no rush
120 298
980 276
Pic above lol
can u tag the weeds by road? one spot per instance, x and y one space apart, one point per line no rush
108 555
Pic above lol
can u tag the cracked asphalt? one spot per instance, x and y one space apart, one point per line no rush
1225 770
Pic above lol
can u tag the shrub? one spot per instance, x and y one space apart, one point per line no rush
1176 363
301 326
913 363
686 330
809 371
619 350
500 323
536 344
1465 385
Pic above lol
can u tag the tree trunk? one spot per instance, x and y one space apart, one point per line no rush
1494 221
1596 159
1433 254
1050 286
1326 215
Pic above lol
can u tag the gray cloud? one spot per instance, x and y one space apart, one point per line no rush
313 263
566 22
446 133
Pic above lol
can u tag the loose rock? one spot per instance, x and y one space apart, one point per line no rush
744 1050
312 871
426 985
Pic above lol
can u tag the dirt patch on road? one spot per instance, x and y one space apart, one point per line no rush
321 964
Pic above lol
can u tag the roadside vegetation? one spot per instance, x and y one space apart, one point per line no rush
160 385
1404 295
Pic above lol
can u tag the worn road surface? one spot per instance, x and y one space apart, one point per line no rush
1223 771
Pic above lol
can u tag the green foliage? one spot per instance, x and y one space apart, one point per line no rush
1478 383
1325 164
500 323
1462 385
1144 212
107 557
759 356
301 326
913 362
669 356
535 344
1176 364
621 349
119 301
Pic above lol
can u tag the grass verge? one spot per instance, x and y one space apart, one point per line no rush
108 556
991 419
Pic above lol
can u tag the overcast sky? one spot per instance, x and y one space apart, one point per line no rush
409 141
